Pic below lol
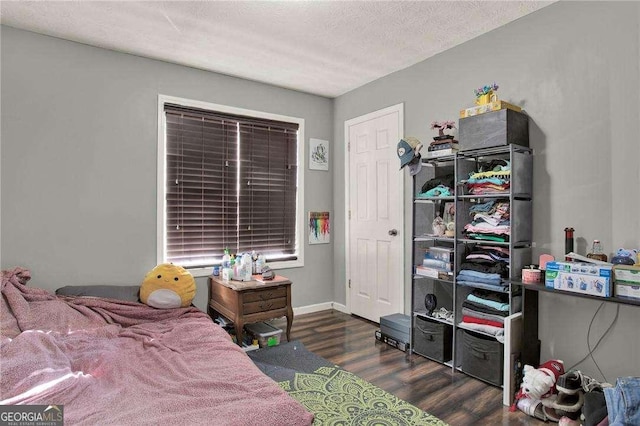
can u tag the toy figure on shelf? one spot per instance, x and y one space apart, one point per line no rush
438 226
443 144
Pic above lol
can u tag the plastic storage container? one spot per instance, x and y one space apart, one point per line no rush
432 339
482 357
396 326
266 334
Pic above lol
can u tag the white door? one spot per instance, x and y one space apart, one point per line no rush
375 214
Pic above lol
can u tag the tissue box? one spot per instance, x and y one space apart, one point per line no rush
631 291
627 274
580 277
627 281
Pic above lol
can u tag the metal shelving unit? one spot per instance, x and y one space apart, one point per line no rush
425 210
450 293
519 198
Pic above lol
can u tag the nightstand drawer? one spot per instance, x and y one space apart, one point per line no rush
266 294
264 305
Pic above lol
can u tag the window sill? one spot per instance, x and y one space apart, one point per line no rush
205 272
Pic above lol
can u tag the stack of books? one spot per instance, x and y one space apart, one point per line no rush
442 146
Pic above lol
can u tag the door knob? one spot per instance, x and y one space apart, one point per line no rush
393 232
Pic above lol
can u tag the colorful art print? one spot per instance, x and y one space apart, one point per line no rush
319 228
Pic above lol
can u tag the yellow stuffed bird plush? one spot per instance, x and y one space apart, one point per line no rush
168 286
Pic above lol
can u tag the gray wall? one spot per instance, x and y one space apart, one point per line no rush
79 146
79 135
575 68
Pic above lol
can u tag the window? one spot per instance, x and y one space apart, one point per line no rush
228 178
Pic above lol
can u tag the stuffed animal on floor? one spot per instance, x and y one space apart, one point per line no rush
540 382
168 286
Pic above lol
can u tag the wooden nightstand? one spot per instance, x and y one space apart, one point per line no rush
245 302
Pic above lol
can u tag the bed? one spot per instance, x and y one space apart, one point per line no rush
110 361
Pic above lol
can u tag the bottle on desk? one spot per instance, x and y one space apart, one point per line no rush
246 267
596 252
254 259
260 263
226 265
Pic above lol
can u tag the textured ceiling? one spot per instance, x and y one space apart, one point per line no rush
322 47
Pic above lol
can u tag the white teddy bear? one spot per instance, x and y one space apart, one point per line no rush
538 383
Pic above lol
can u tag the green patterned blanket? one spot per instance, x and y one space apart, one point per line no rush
335 396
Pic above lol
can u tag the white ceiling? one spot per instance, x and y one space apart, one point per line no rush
322 47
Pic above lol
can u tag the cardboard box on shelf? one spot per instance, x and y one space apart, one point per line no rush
594 285
631 291
580 268
491 106
439 253
427 272
627 274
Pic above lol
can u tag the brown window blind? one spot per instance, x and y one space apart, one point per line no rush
231 183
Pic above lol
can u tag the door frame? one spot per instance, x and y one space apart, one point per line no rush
399 108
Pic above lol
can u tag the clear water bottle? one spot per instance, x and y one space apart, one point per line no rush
226 259
254 259
260 263
233 268
226 265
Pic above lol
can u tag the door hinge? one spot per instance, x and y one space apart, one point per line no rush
349 283
348 146
349 214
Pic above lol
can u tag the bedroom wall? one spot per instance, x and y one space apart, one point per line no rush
575 68
79 144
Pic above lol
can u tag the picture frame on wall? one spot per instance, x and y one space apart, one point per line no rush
319 228
318 154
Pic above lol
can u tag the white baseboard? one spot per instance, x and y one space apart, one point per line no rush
320 307
341 308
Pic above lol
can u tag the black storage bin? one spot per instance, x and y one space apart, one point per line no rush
482 357
432 339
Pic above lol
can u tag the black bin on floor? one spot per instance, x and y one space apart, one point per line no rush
482 357
432 339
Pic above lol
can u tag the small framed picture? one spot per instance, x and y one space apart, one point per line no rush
318 154
319 228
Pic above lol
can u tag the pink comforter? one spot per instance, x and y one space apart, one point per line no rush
117 362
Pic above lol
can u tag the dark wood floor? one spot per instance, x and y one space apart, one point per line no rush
349 342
